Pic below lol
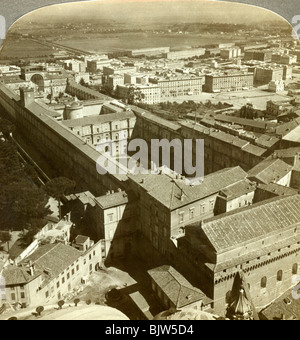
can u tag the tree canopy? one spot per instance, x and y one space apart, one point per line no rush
22 203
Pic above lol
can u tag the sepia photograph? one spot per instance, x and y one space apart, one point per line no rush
150 165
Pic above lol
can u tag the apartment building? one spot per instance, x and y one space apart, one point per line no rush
49 274
148 94
228 82
172 87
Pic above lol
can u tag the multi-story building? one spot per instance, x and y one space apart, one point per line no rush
104 129
49 274
266 74
264 248
276 108
113 217
173 87
148 94
96 65
114 80
230 53
222 150
185 54
121 70
284 59
276 86
154 51
228 82
76 66
167 204
261 55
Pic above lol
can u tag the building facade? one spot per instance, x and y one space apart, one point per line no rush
50 274
266 250
180 86
228 82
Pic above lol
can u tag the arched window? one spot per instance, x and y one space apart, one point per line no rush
279 275
295 269
263 282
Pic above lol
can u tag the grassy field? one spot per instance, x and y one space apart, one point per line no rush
113 42
23 49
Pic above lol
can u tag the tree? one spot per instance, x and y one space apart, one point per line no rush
82 82
40 310
58 188
50 97
61 304
6 127
134 95
22 203
5 237
22 206
76 301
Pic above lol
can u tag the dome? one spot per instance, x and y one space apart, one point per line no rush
186 314
82 313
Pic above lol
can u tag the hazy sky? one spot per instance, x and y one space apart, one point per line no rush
168 11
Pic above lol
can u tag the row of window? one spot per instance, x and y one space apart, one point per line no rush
203 209
279 277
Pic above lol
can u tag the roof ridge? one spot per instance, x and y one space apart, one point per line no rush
47 252
250 207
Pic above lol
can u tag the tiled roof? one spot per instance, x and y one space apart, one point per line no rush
277 190
81 239
290 152
270 170
293 136
153 118
238 189
100 119
286 128
285 306
174 193
112 200
244 225
53 257
180 292
254 150
267 141
243 121
17 275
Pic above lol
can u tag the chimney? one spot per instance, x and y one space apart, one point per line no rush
31 268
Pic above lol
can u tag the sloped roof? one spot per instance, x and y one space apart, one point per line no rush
174 193
80 239
286 128
238 189
180 292
270 170
17 275
53 257
277 190
285 306
112 200
245 225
